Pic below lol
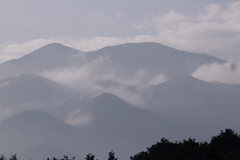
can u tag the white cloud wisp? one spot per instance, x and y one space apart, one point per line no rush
224 73
99 77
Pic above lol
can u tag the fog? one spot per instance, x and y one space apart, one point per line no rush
79 77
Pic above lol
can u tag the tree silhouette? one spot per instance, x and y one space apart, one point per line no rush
111 155
90 156
2 157
225 146
13 157
226 143
65 157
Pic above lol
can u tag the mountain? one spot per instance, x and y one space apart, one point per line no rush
111 115
155 57
74 124
26 88
31 91
189 91
201 105
51 56
108 109
128 58
127 128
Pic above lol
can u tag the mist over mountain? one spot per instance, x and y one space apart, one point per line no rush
132 66
30 91
58 100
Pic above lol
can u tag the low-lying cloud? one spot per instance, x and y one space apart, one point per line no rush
224 73
100 76
77 118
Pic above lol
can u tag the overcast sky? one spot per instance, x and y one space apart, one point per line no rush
206 26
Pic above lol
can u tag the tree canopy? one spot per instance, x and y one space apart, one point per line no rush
225 146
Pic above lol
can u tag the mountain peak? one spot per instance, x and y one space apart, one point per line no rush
183 81
146 46
56 47
108 97
185 78
54 44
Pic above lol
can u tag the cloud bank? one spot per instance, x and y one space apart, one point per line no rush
215 31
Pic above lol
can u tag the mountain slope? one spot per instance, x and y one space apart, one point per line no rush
189 91
205 106
112 117
36 134
51 56
28 88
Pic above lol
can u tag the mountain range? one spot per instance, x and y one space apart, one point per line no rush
129 58
92 109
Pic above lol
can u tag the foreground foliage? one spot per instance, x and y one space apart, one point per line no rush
225 146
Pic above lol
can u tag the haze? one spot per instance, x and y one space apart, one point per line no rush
90 77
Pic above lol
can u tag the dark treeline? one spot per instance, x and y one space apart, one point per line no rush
89 156
225 146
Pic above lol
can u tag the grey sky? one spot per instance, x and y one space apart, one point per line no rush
88 25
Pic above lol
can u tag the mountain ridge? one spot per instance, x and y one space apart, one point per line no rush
128 58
